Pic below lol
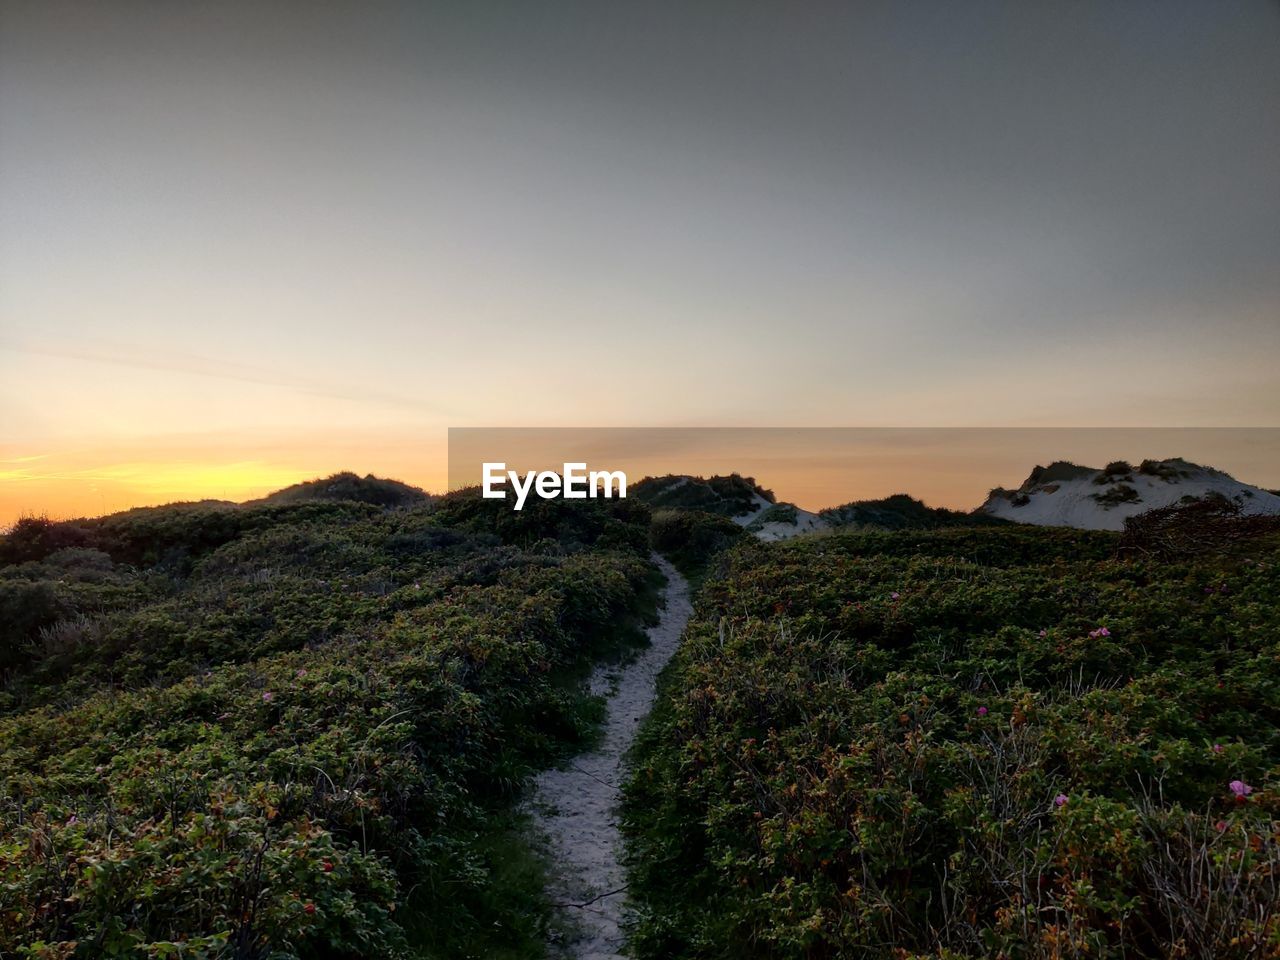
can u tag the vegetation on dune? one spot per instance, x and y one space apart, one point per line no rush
1059 471
298 728
293 729
729 496
352 487
1117 494
1003 742
786 513
691 538
902 512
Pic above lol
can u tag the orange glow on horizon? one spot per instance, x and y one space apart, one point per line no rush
954 469
94 480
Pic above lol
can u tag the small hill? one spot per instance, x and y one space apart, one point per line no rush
735 496
757 510
901 512
783 521
1068 495
349 486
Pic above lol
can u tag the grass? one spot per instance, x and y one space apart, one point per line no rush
512 899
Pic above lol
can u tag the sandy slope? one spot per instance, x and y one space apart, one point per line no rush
805 522
575 808
761 505
1071 501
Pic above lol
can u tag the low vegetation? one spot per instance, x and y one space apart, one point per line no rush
1005 742
691 539
294 729
300 728
902 512
729 496
1117 494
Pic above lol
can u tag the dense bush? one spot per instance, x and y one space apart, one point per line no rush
730 496
690 538
350 486
285 730
901 512
1117 494
972 743
1116 469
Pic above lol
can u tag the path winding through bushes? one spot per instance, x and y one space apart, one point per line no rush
576 807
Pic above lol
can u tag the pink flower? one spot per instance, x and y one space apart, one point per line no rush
1240 788
1044 633
1060 800
893 596
982 711
1221 826
268 696
1217 748
1100 632
301 673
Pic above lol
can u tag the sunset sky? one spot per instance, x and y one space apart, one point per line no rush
247 244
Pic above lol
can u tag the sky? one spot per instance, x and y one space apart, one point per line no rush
247 244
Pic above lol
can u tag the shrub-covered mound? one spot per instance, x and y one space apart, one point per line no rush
729 496
281 731
691 538
350 486
902 512
994 742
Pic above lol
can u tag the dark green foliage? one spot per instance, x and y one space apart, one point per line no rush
729 496
902 512
862 740
691 538
1117 494
1115 470
293 730
778 513
1165 469
34 538
554 521
349 486
1056 472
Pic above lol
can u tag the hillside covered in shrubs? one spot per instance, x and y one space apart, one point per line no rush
301 728
1002 742
294 729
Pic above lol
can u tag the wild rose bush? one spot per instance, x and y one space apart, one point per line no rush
975 743
281 738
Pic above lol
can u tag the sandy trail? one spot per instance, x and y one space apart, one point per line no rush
575 808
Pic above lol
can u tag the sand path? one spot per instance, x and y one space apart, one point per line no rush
575 808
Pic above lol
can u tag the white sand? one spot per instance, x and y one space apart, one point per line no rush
761 505
805 522
576 808
1071 503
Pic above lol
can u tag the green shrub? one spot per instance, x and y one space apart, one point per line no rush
729 496
1001 742
1117 494
692 538
286 730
